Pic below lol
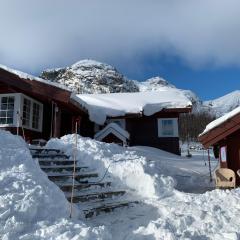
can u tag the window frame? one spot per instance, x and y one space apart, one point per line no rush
32 101
18 111
160 127
15 109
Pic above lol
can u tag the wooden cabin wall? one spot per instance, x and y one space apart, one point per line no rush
233 152
86 127
144 132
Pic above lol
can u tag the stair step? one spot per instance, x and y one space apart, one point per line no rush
96 195
56 162
45 150
78 176
51 156
61 168
81 186
109 207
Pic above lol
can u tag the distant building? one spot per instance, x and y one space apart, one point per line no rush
37 108
224 134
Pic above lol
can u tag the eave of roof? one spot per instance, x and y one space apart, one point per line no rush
220 132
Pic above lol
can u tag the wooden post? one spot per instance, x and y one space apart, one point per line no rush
57 121
209 165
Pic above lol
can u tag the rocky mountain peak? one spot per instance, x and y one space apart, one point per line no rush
90 76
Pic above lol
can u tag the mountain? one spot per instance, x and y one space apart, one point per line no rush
158 83
225 104
153 84
89 76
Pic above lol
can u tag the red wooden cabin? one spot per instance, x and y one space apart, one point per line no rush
224 134
37 108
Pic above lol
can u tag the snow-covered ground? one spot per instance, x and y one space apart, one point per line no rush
33 208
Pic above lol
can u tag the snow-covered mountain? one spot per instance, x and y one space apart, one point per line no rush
89 76
153 84
158 83
225 104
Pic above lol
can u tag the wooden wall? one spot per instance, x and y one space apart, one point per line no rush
144 132
233 152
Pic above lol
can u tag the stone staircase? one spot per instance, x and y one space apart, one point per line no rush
93 196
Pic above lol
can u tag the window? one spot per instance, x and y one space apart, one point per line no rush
7 110
18 110
168 127
31 114
36 116
26 116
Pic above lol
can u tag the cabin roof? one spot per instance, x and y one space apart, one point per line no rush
115 129
102 106
38 88
220 128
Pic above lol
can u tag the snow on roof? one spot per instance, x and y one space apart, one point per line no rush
31 77
112 128
220 120
101 106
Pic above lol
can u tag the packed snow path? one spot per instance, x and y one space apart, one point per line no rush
94 196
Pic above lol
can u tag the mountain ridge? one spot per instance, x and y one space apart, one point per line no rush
89 76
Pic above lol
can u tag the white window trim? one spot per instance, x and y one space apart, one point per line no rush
31 113
175 127
17 97
18 111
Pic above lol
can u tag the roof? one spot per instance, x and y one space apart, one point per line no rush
37 87
102 106
221 128
114 129
31 77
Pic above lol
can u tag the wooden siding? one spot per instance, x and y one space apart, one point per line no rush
220 132
144 131
111 138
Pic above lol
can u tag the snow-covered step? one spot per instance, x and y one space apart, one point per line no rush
62 168
95 195
45 150
54 162
78 176
67 187
50 156
108 207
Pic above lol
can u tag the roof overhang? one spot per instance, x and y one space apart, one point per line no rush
39 89
220 132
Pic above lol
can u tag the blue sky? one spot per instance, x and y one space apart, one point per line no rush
192 44
207 82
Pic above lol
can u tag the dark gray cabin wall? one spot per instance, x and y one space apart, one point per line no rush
144 132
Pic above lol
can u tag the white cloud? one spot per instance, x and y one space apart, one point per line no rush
39 34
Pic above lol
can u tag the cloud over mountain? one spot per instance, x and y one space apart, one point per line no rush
40 34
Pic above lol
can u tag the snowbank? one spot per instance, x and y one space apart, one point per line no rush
101 106
125 167
32 207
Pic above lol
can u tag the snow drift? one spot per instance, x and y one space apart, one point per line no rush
32 207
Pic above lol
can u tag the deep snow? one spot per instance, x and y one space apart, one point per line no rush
101 106
34 208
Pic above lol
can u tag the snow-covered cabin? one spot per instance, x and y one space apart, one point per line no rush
150 118
38 108
224 134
